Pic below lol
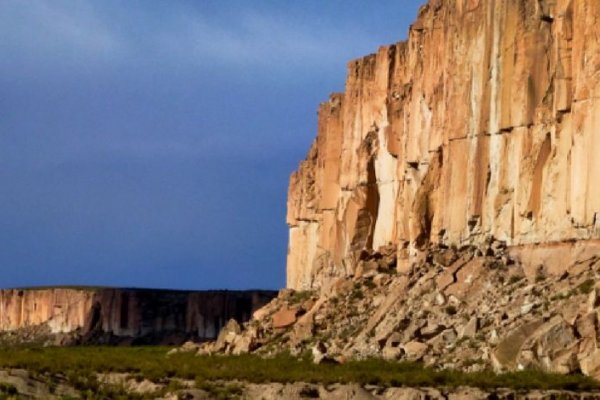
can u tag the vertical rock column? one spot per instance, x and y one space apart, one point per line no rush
484 123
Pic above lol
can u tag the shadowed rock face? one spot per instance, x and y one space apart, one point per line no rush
484 123
124 315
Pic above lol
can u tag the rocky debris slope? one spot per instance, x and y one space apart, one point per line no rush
472 308
483 123
61 316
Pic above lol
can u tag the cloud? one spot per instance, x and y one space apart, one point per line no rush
61 34
95 71
159 135
265 40
44 32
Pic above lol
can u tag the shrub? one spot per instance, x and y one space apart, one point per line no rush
300 296
8 389
79 365
514 279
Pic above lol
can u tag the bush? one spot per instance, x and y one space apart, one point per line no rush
514 279
79 365
300 296
8 389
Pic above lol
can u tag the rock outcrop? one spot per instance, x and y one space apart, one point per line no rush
108 315
472 309
484 123
449 210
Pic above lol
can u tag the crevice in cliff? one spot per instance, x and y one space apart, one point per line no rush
367 216
503 131
535 198
423 208
547 18
124 320
372 200
309 220
392 66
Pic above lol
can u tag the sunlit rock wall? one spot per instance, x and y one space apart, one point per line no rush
63 310
485 122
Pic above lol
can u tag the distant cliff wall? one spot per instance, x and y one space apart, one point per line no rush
484 123
152 316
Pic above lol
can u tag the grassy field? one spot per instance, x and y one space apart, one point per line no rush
78 365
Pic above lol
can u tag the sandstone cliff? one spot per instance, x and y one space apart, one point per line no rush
484 123
449 209
107 315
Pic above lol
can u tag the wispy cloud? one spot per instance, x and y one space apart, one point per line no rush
264 40
146 135
42 32
71 33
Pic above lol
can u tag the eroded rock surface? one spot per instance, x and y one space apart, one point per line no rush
484 123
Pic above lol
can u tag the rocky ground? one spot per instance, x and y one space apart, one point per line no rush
471 309
20 384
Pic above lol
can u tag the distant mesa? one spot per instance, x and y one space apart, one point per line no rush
94 315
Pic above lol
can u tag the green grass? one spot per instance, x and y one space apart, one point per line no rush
79 364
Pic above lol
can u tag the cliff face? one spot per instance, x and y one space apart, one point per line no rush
63 310
484 123
120 315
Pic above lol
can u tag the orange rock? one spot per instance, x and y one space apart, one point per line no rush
284 318
484 122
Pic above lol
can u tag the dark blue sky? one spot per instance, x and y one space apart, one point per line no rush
149 143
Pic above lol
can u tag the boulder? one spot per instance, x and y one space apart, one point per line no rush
284 318
415 350
445 257
227 335
430 330
469 329
189 346
594 298
303 329
506 353
590 365
262 312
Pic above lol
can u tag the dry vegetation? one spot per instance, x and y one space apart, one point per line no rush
221 375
